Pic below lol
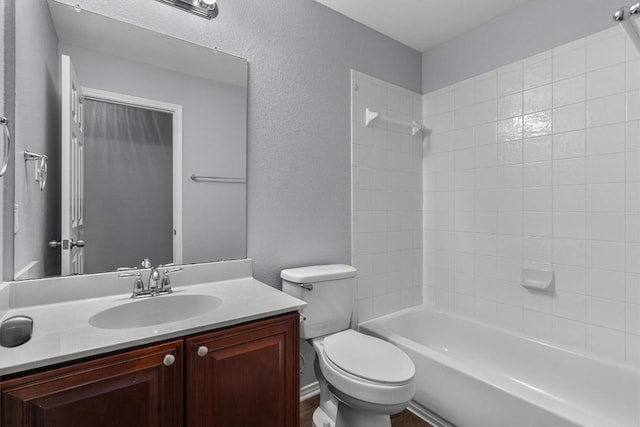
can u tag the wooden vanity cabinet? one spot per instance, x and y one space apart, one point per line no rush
245 376
239 376
135 388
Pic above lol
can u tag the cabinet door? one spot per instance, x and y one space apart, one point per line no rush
245 376
136 388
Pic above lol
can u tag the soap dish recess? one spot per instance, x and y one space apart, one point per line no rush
541 280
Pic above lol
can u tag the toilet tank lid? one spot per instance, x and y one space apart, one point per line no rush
318 273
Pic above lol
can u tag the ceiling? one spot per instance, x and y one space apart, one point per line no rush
422 24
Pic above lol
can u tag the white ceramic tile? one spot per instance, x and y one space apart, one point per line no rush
606 168
538 174
570 117
464 94
606 313
633 227
569 198
486 88
538 224
569 332
538 149
538 124
569 251
510 246
606 342
510 199
510 106
633 255
633 319
633 105
485 311
486 177
486 134
510 129
510 79
606 139
570 306
603 53
509 316
538 249
569 225
538 199
538 99
538 73
510 152
633 349
570 278
633 136
569 62
605 111
485 112
510 175
569 91
606 284
633 171
464 117
569 144
538 324
606 197
510 223
606 255
606 81
606 226
486 156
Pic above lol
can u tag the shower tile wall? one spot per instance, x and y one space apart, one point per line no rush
386 199
538 164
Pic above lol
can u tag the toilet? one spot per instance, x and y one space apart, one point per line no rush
363 380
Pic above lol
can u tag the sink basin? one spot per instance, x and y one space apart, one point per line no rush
154 311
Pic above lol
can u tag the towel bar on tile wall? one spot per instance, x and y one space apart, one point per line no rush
416 128
222 179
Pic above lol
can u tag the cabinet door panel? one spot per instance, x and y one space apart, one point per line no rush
249 376
128 389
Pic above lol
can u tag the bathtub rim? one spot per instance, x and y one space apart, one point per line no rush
554 404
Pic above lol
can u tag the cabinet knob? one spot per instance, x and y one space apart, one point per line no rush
169 359
203 351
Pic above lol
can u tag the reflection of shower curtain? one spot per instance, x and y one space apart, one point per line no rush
128 186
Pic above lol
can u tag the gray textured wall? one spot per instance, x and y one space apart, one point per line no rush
37 125
534 27
300 54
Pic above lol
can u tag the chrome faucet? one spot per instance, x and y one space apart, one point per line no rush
153 288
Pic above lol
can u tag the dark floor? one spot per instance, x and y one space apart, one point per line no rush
403 419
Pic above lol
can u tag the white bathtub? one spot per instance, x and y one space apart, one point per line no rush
473 375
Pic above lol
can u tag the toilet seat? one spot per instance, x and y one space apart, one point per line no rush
368 358
398 386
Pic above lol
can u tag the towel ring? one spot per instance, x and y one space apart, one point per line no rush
7 145
41 167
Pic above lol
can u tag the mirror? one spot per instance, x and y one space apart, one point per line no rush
145 143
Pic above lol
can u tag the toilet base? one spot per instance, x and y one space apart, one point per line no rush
321 419
350 417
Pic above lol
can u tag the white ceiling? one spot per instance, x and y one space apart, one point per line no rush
422 24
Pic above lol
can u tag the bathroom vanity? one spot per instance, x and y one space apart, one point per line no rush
236 364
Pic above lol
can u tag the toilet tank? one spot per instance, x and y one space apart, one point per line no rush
328 291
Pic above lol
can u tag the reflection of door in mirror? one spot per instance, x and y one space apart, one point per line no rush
132 186
117 183
72 166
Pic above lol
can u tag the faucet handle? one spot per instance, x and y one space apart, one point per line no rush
146 263
165 284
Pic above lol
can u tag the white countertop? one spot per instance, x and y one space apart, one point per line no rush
61 331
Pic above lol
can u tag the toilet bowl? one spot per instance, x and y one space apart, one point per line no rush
363 380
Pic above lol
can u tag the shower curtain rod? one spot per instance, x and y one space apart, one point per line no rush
627 18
